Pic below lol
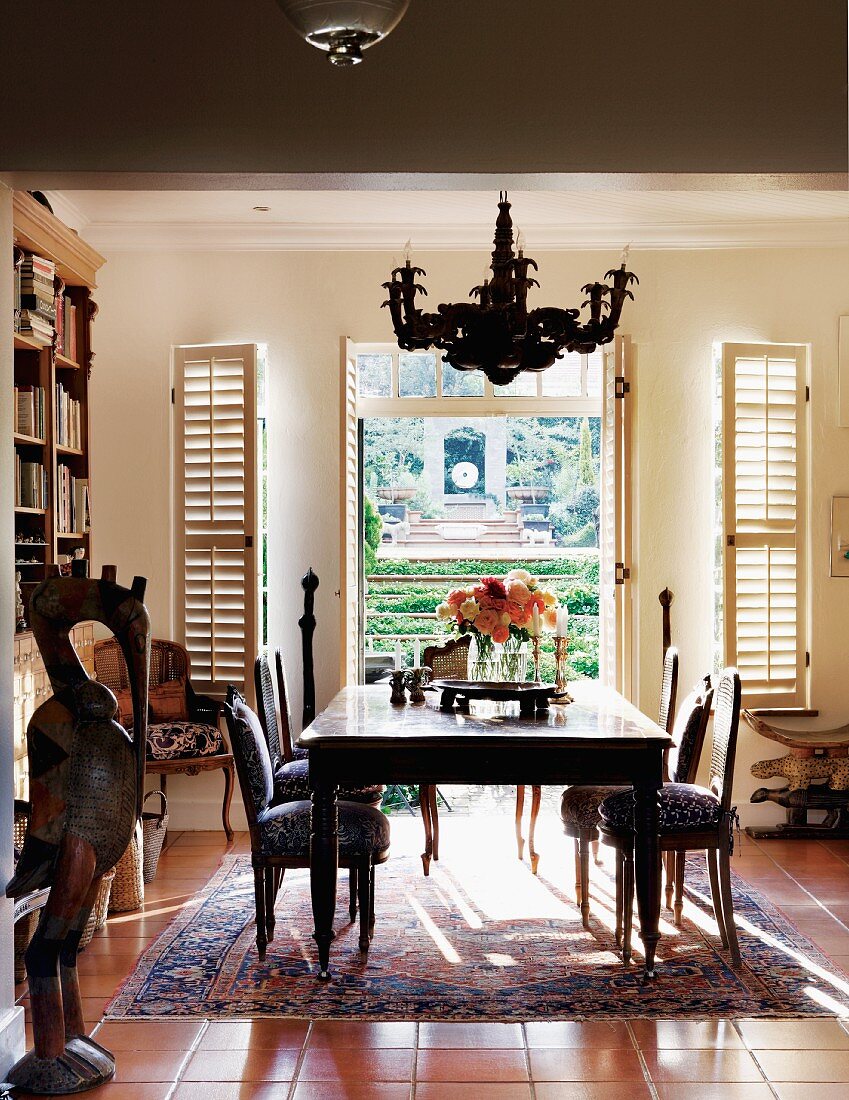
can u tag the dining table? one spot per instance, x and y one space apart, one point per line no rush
597 738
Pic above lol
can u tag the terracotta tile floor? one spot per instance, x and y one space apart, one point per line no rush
330 1060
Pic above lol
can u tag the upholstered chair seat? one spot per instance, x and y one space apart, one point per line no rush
285 830
684 807
181 740
579 805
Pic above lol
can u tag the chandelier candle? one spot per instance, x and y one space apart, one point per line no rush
497 334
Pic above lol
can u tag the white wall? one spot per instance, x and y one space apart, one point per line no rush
301 303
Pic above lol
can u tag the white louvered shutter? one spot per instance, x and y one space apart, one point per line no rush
216 513
349 511
615 551
764 503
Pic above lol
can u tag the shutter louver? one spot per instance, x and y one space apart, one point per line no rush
763 443
215 403
349 510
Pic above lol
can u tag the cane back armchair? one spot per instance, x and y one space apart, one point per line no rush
183 735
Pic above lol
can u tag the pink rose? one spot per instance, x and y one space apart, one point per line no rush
518 592
486 621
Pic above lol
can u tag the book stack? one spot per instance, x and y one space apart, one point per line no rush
30 484
37 316
28 411
67 419
72 505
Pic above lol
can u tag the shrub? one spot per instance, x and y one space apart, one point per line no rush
372 532
579 568
585 536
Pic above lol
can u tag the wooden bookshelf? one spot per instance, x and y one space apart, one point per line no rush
37 530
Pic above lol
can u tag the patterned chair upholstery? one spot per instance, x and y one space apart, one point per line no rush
291 772
280 833
683 808
182 733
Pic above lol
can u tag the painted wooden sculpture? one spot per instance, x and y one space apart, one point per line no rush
816 768
86 784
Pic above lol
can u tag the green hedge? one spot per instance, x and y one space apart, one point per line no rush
581 568
580 599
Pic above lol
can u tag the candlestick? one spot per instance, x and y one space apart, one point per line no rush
536 657
560 647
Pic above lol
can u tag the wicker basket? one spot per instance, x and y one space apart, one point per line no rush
97 916
154 827
128 884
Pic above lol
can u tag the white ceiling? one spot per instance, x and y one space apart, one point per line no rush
367 220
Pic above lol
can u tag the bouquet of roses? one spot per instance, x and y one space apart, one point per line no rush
501 612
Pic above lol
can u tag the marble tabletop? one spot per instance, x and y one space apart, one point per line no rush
598 715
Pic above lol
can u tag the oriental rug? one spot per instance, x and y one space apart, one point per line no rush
470 944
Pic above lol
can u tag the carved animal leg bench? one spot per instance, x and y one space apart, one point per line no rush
816 768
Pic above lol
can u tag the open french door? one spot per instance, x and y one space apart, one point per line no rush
615 598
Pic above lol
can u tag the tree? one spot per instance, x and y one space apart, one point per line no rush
372 534
586 464
392 445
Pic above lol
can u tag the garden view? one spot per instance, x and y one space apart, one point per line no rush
538 476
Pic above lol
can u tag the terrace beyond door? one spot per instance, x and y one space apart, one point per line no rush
446 478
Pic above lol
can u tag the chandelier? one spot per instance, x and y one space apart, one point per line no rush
343 28
497 334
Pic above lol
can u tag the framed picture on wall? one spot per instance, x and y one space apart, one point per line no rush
840 536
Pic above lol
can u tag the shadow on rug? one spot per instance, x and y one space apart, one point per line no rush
471 944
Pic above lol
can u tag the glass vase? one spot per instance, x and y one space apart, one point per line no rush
498 663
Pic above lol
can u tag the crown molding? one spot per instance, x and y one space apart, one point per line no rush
426 181
282 237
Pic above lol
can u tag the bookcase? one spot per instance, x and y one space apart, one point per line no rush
52 373
51 437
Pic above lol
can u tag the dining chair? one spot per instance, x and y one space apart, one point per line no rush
291 773
280 832
692 818
579 805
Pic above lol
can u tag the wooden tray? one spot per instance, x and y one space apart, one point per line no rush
531 697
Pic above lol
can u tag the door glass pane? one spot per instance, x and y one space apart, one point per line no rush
417 374
523 385
374 375
563 377
461 383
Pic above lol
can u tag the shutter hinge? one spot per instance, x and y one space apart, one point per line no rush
807 659
731 540
173 396
807 393
621 387
249 541
621 574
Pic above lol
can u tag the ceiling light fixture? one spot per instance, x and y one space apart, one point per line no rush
498 335
343 28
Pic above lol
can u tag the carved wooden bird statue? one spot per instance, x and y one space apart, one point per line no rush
86 783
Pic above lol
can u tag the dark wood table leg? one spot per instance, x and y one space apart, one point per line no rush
647 866
324 859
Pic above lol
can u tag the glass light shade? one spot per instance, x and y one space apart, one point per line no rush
343 28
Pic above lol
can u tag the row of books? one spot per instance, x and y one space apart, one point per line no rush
67 419
30 484
72 503
28 411
43 312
